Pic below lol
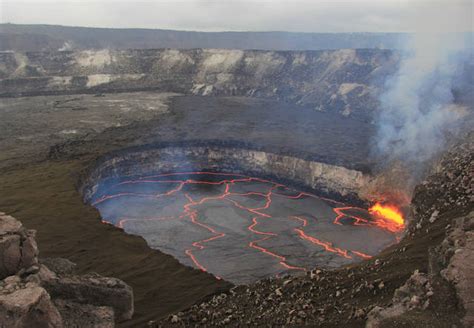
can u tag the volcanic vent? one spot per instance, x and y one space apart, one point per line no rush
238 213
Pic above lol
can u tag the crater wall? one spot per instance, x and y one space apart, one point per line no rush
324 178
344 81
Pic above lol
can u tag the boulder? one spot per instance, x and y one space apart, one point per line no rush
41 277
59 265
29 249
378 314
8 224
29 307
48 294
94 290
414 294
460 267
10 255
85 315
18 248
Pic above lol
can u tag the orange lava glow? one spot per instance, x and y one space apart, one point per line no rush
388 216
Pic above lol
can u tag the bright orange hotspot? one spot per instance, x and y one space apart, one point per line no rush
388 212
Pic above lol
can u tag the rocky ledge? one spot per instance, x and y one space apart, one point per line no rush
46 293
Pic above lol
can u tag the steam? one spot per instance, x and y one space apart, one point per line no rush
416 106
67 46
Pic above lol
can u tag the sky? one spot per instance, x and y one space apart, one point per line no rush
248 15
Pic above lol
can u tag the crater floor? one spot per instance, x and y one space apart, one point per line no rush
240 228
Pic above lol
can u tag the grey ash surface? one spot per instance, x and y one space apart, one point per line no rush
271 125
29 126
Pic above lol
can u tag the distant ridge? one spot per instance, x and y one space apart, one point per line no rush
54 37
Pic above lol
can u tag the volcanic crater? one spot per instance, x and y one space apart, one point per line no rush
243 164
240 214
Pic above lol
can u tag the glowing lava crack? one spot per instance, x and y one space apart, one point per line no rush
238 219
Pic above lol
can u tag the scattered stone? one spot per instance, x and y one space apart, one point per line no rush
359 313
278 292
433 216
302 314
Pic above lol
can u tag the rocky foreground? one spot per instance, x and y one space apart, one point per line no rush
438 294
37 292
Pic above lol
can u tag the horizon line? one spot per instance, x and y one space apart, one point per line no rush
208 31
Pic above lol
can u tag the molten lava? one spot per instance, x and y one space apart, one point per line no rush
385 217
389 216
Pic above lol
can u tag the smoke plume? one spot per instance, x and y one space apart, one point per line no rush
416 103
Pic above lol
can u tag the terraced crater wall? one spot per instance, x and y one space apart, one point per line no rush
326 179
345 81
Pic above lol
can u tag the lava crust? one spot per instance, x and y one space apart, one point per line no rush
241 228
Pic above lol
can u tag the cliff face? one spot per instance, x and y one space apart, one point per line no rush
345 81
324 178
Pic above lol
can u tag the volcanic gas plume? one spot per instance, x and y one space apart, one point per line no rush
417 109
